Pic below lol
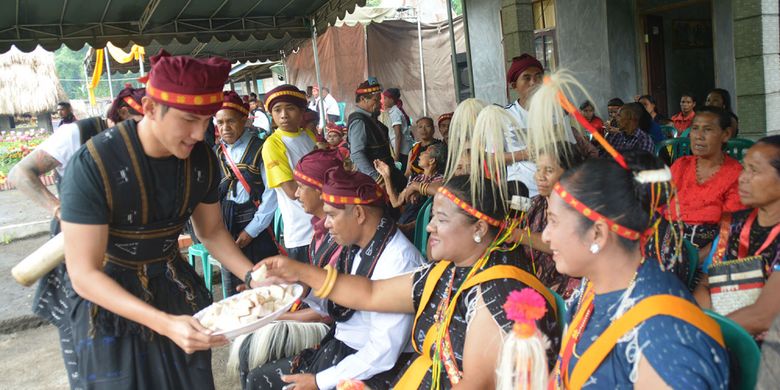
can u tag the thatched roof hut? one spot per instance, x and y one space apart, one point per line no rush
29 83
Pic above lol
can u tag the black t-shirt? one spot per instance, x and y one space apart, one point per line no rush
83 196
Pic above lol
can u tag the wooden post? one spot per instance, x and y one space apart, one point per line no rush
44 121
7 122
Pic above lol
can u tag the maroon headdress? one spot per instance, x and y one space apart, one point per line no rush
130 97
342 188
188 84
520 64
311 168
232 101
285 93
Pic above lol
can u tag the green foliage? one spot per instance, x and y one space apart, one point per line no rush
70 69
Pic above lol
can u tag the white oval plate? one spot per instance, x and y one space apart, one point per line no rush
260 322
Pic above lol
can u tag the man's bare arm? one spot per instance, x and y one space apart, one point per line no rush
26 177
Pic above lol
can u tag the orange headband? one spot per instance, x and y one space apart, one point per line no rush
468 208
181 98
338 199
269 99
307 179
133 104
363 91
236 107
594 216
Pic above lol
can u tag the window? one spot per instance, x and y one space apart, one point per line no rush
544 33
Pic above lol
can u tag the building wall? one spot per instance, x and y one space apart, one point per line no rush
723 47
583 49
623 51
487 62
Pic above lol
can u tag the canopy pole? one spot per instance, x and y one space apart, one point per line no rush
108 72
422 65
455 73
468 48
141 65
320 104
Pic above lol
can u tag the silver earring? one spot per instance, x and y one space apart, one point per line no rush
594 248
477 238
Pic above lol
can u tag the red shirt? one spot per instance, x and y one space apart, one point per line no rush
704 203
598 124
682 122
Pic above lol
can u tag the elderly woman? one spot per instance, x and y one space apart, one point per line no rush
706 181
549 170
459 322
751 238
424 134
595 234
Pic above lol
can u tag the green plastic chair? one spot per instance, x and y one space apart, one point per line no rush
677 147
669 131
737 147
420 231
742 349
693 262
342 110
561 308
207 275
196 250
278 227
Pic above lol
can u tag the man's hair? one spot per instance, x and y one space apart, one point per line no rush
326 89
253 95
615 102
64 104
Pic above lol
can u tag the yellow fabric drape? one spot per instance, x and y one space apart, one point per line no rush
95 75
119 55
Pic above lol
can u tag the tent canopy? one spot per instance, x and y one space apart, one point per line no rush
252 30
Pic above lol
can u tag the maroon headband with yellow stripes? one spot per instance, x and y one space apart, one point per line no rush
595 216
133 104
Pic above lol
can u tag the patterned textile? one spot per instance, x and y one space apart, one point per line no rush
682 355
623 142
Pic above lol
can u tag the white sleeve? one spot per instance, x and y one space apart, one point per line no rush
62 144
388 336
396 117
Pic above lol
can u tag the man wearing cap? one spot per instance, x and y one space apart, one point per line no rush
54 154
334 135
125 199
369 138
248 206
323 250
281 151
362 345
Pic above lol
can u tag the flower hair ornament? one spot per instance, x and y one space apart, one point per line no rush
523 360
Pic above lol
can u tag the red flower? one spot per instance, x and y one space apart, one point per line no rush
525 306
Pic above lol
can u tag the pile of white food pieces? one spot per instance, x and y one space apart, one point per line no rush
248 306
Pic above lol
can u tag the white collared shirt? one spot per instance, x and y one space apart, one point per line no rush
378 338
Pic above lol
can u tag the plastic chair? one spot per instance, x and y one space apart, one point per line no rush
342 110
677 147
279 227
197 250
669 131
737 147
420 231
742 349
561 308
693 262
208 262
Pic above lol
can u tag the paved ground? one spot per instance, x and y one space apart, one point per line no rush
31 360
29 349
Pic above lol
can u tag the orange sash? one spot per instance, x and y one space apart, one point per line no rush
667 305
414 375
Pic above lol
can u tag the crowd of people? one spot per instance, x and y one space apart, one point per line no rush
558 251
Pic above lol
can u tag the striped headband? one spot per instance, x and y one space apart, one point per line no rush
307 179
469 209
180 98
133 104
595 216
269 99
354 200
363 91
236 107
